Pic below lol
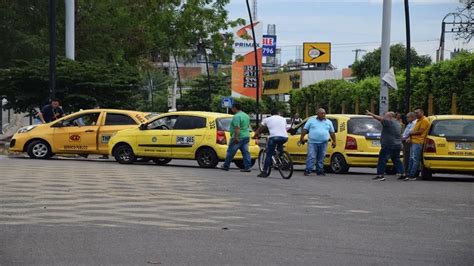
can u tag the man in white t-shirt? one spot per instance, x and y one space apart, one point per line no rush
276 126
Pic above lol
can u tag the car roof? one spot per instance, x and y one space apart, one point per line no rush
199 113
344 115
112 110
446 117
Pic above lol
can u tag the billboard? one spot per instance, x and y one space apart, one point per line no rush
244 79
317 52
269 45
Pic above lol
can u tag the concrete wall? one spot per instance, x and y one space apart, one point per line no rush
314 76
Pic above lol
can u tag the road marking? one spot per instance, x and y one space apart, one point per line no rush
359 211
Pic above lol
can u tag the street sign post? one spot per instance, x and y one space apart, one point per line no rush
226 102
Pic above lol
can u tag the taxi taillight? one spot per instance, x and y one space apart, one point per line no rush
221 138
351 143
430 145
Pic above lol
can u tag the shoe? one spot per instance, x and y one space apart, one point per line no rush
263 175
409 179
379 178
402 177
307 173
223 168
245 170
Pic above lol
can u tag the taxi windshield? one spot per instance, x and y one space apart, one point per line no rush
454 128
367 127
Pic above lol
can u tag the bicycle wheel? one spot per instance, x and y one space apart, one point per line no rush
285 166
262 155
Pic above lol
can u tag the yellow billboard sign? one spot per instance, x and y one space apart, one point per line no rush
317 52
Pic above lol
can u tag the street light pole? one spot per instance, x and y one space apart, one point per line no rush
52 48
385 56
408 58
257 111
70 39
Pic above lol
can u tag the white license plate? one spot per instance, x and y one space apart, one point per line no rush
376 143
463 146
185 140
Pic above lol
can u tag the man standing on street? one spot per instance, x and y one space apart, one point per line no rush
391 144
417 138
318 129
276 125
51 112
240 137
411 121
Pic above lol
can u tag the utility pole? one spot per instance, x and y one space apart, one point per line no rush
52 48
408 59
257 89
70 38
385 56
357 51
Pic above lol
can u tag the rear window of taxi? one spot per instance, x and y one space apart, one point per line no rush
453 129
367 127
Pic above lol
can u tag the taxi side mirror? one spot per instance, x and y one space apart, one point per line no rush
59 124
143 126
292 131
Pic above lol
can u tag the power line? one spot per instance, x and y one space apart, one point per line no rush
362 43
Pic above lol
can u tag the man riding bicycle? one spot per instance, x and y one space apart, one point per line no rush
276 126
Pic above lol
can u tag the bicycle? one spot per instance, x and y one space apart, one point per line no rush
282 162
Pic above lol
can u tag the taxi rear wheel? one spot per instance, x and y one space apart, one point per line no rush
240 163
339 164
207 158
39 149
161 161
124 154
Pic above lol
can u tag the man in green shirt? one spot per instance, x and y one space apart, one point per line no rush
239 139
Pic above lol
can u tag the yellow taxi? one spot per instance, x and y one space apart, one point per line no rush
201 136
449 146
84 132
358 143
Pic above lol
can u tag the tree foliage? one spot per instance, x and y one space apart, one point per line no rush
80 85
370 63
440 80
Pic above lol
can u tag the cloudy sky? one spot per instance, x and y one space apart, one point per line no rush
351 24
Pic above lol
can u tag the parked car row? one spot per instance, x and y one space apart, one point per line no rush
203 136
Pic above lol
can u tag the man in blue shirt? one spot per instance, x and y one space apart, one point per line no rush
411 119
318 129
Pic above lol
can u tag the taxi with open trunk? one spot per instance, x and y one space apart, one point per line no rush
200 136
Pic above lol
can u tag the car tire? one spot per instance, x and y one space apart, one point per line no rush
240 163
161 161
207 158
143 160
426 174
339 164
124 154
39 149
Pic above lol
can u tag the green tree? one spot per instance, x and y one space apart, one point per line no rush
370 63
199 98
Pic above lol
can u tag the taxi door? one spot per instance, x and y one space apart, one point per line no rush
77 134
298 152
112 123
155 140
188 134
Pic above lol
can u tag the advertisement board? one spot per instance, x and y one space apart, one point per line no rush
317 52
269 45
244 78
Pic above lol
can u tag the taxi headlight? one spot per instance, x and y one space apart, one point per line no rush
26 129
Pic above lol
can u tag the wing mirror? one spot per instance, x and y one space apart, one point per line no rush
143 126
292 131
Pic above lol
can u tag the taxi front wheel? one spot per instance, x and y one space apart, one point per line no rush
339 164
207 158
124 154
161 161
39 149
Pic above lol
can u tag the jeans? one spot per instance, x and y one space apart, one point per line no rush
406 155
316 151
390 152
243 146
273 142
415 159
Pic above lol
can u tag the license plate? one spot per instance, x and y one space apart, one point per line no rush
463 146
376 143
185 140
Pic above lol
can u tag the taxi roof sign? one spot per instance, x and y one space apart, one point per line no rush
317 52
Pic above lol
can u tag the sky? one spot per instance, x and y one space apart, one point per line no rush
351 24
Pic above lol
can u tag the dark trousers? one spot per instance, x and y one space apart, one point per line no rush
389 152
406 155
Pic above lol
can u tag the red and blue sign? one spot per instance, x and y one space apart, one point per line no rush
269 45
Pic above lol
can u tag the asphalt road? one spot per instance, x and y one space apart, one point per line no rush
92 212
